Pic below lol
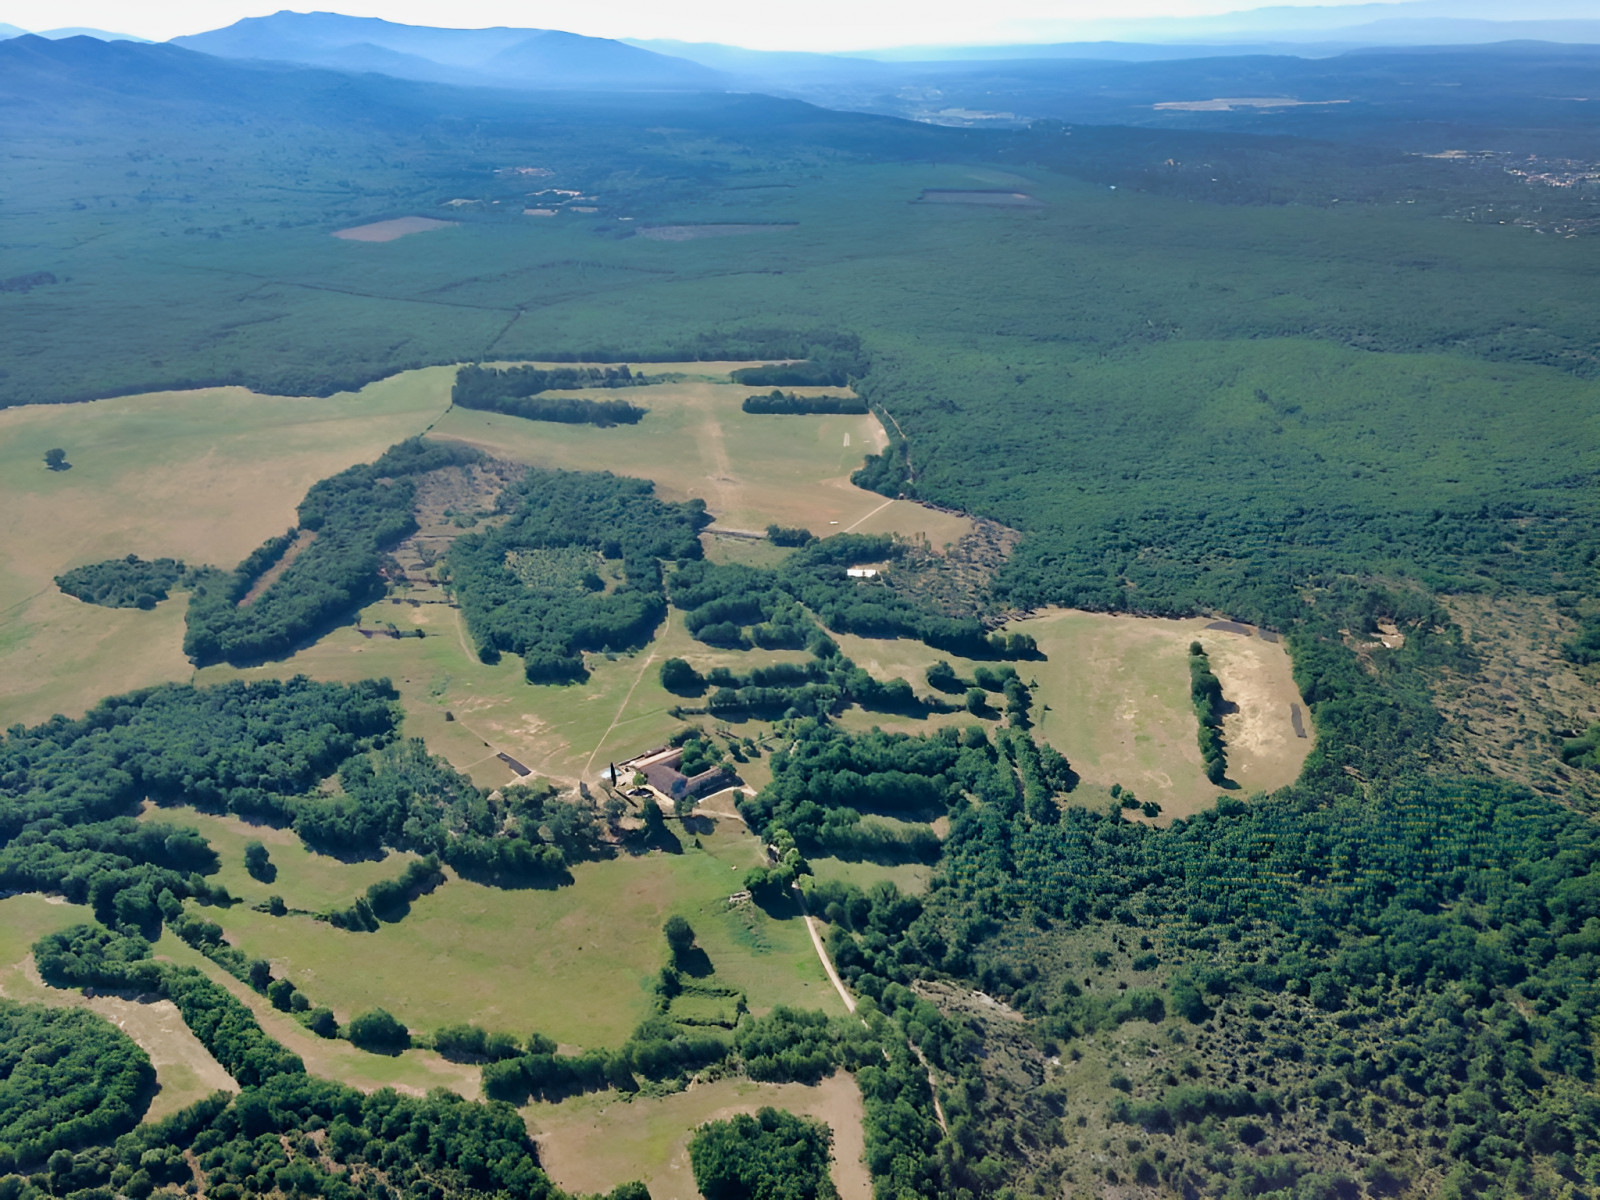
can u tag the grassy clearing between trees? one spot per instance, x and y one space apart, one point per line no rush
1118 691
563 733
185 1070
591 1143
202 476
574 963
696 442
314 882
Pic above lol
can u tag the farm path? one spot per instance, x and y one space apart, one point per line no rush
621 708
851 528
822 953
185 1069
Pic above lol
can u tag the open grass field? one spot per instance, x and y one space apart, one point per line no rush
202 476
314 882
185 1070
573 963
562 733
592 1143
1117 691
910 878
750 469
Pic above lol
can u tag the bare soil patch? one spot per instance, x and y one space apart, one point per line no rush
1230 103
449 502
594 1143
388 231
984 197
694 233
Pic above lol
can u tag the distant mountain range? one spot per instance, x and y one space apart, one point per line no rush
56 35
501 57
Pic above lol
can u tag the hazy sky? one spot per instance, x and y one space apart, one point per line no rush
813 25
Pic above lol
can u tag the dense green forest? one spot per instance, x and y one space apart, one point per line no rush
552 617
68 1078
129 582
770 1156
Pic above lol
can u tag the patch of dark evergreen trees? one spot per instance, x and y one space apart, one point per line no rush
129 582
516 391
1205 690
68 1078
777 402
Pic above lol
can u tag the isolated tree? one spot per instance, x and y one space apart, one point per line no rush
977 701
678 676
680 934
56 459
258 863
379 1032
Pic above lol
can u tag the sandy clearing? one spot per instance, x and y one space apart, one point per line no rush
591 1144
1229 103
388 231
984 198
694 233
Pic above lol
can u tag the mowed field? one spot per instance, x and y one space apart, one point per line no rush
185 1070
593 1143
574 963
203 476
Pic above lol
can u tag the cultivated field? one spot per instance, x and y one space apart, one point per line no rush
593 1143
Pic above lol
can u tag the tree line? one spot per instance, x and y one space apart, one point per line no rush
515 391
778 402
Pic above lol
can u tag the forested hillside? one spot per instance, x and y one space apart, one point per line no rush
1329 387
